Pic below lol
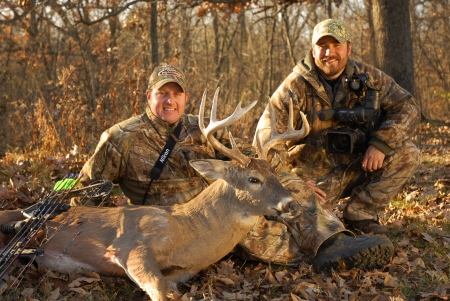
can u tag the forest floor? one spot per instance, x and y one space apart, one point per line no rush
418 220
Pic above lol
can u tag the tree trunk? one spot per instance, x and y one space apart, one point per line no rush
371 41
394 51
154 33
217 48
285 17
329 8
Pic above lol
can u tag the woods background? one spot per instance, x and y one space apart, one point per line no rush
71 69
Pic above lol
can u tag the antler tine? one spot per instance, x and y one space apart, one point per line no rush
215 125
290 135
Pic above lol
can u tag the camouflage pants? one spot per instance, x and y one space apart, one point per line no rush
287 240
370 193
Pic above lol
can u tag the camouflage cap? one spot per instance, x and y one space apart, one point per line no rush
331 27
164 74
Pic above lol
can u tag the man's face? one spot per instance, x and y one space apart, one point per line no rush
331 57
168 102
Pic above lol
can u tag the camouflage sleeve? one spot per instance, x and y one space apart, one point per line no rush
402 113
105 163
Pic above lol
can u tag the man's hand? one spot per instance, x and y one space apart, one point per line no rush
373 159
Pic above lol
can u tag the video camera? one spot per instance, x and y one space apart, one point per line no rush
362 117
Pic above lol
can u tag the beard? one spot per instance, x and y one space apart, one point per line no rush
331 70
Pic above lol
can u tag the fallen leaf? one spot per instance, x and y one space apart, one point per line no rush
427 237
226 281
390 281
27 292
77 282
233 296
418 262
440 264
54 295
412 195
78 290
270 278
404 242
279 275
297 298
433 274
185 298
54 275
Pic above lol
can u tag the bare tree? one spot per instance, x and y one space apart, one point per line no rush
154 32
71 69
394 51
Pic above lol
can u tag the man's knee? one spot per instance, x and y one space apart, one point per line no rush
405 158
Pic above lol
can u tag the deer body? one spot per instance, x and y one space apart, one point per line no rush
158 247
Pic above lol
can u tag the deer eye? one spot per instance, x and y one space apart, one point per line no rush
253 180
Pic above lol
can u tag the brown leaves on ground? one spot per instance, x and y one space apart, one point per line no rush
418 220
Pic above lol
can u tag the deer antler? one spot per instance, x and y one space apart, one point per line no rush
215 125
289 135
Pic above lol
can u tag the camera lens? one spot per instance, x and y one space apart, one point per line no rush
341 143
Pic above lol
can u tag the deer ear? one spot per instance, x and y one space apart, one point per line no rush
213 169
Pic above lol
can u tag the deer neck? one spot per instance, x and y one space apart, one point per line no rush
218 206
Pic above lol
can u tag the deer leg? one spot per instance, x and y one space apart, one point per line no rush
142 267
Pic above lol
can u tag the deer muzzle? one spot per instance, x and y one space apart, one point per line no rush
287 205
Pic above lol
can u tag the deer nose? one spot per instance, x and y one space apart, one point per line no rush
294 206
288 205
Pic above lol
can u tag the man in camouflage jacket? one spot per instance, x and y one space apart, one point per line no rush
128 151
370 177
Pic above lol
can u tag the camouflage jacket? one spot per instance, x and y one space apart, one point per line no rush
128 150
310 95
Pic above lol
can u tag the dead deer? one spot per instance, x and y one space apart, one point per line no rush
158 247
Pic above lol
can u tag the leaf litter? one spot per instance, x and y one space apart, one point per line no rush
418 220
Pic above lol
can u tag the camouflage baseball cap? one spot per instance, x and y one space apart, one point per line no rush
331 27
164 74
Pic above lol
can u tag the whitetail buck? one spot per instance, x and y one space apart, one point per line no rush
157 247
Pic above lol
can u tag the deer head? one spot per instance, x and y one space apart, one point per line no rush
261 184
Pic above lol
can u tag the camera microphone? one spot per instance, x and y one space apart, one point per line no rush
325 115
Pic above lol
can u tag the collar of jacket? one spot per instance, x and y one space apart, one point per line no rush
308 70
161 126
